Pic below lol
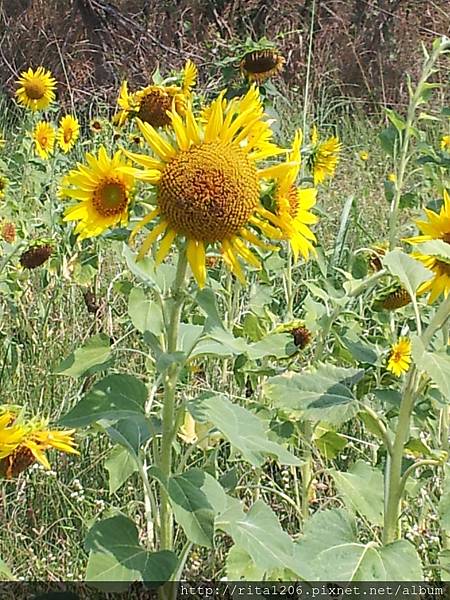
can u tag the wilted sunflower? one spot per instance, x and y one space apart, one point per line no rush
36 90
445 142
436 227
293 205
102 189
68 132
23 443
259 65
3 185
400 357
324 157
37 253
208 183
44 139
151 103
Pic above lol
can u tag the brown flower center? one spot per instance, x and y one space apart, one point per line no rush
34 89
110 199
153 107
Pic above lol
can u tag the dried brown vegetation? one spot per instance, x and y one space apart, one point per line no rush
361 47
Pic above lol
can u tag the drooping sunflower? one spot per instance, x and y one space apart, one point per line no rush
23 443
259 65
400 357
44 139
150 104
102 188
208 183
68 132
36 90
445 142
293 205
324 157
3 185
436 227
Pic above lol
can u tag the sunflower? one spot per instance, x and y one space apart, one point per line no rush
364 155
392 177
3 185
324 157
293 205
445 142
44 139
96 125
208 183
36 90
150 104
68 132
400 357
22 443
436 227
102 189
259 65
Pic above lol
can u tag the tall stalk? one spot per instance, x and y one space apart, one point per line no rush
168 413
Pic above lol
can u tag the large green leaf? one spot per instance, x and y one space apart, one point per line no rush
220 342
244 430
206 299
410 271
120 466
323 394
258 533
330 551
239 565
145 314
93 356
196 498
113 398
435 364
278 345
116 556
131 433
362 490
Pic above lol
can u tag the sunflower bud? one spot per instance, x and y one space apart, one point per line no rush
302 337
8 232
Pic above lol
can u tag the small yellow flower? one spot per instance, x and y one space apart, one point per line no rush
400 357
68 132
445 142
392 177
96 125
36 90
364 155
44 139
3 185
324 157
2 141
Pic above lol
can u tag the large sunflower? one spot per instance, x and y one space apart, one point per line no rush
293 205
102 189
44 139
324 157
68 132
208 183
36 90
436 227
150 104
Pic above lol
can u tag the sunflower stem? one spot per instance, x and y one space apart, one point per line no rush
168 412
289 287
394 478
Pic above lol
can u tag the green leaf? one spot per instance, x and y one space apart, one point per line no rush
397 121
278 345
444 502
435 364
239 565
113 398
389 139
120 466
221 343
5 572
116 558
131 433
330 444
437 248
410 272
259 533
244 430
93 356
362 490
330 551
206 299
323 394
361 351
145 314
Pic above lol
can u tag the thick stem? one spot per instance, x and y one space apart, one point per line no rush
168 413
